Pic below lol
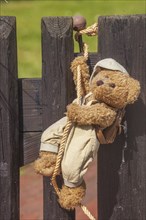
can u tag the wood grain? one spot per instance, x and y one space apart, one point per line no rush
29 145
30 105
9 131
122 186
57 90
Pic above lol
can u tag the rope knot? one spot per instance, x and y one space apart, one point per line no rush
90 31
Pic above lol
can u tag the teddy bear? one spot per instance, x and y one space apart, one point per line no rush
104 96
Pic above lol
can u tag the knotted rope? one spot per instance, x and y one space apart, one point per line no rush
90 31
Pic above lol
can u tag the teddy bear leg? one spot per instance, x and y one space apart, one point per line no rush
45 164
70 198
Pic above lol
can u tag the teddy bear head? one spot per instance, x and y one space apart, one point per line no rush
110 83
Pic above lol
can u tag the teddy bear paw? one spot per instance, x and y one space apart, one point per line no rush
70 198
45 164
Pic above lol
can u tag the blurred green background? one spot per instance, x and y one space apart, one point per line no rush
29 14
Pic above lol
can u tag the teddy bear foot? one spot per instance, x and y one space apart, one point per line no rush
69 198
45 164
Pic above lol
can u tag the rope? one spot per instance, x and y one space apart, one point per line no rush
65 135
60 155
79 83
87 212
85 49
90 31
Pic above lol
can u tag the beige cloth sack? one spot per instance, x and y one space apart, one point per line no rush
51 137
80 149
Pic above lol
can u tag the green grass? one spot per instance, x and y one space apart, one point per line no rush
29 14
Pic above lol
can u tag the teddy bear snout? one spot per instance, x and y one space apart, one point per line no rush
99 83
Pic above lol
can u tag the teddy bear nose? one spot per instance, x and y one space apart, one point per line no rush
99 83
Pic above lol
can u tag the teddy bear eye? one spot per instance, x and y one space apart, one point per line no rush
99 83
112 85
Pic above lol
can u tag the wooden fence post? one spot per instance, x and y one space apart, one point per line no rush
122 186
57 54
9 147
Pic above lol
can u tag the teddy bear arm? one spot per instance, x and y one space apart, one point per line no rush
45 164
97 114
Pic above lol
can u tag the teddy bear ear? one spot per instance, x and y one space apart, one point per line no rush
134 90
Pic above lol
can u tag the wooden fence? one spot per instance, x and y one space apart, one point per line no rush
28 106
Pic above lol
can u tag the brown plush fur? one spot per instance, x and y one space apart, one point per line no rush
98 114
69 198
45 164
118 89
84 73
134 90
112 90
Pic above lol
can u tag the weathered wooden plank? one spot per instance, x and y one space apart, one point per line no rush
57 53
30 105
9 146
92 60
29 145
122 186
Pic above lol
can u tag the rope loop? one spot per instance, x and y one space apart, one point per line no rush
90 31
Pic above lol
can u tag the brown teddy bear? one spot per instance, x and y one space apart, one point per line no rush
108 91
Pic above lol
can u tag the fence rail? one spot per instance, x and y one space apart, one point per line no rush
42 101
